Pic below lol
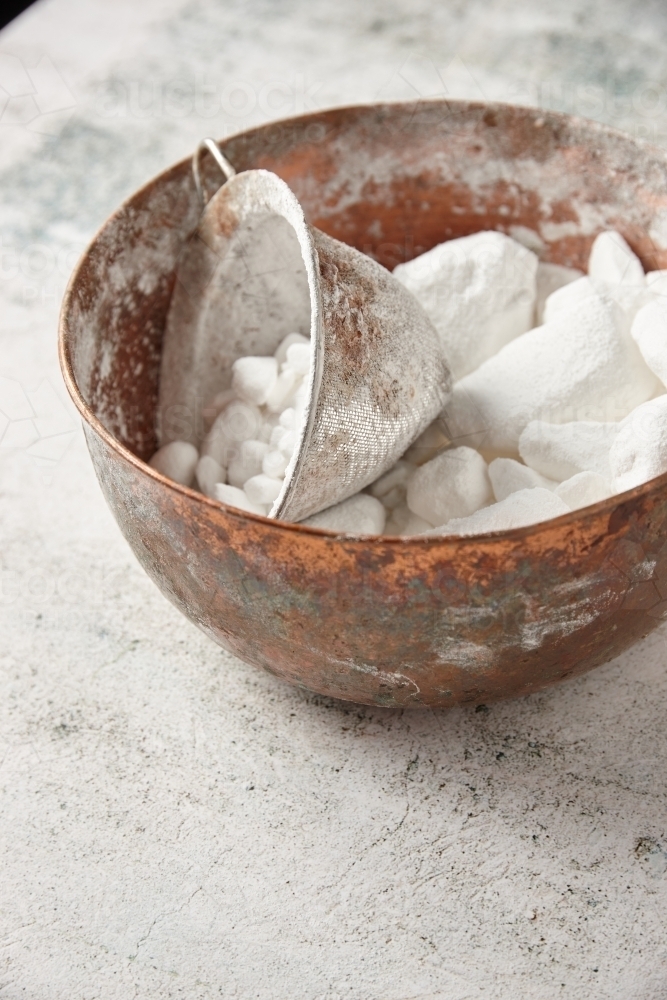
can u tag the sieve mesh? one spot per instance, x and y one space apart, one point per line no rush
253 271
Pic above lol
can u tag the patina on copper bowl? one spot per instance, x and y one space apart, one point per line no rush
388 621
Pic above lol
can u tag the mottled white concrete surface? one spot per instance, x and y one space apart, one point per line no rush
174 823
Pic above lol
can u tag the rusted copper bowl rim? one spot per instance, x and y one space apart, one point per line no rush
603 506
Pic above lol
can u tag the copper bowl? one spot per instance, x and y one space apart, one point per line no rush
386 621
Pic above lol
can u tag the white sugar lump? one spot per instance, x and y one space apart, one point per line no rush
237 498
276 436
216 405
287 443
613 262
208 474
390 488
253 378
298 358
269 424
568 296
361 514
509 476
176 460
478 291
429 443
649 331
397 476
656 282
583 365
549 278
282 392
397 519
274 464
453 484
639 452
238 422
630 298
246 462
280 354
516 511
560 451
583 489
393 498
415 525
262 489
616 271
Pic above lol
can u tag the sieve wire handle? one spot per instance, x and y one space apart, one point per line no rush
211 146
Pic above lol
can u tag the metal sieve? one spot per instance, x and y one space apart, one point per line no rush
253 271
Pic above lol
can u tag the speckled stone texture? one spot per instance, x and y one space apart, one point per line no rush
174 823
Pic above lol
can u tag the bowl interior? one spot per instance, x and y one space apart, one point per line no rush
392 181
